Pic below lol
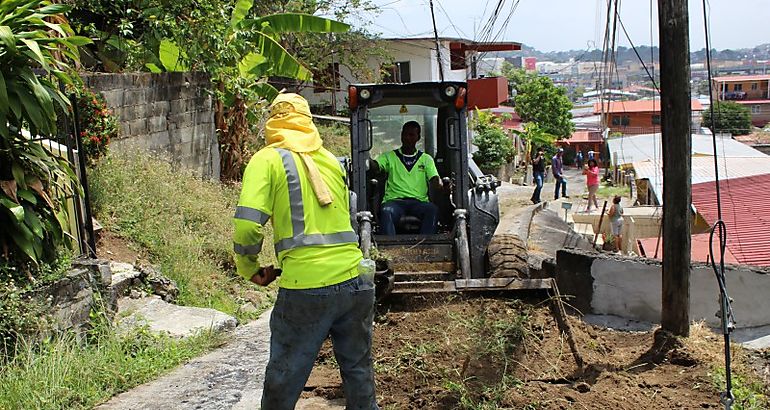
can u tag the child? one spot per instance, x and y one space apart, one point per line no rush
616 220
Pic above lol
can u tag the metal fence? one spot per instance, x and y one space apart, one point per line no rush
66 144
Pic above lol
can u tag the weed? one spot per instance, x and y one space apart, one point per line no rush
184 223
490 397
749 394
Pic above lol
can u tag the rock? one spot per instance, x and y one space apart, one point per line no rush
123 275
177 321
135 294
161 285
583 387
247 308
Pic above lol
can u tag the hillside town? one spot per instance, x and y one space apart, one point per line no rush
231 204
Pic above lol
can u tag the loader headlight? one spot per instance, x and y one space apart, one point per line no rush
365 94
450 91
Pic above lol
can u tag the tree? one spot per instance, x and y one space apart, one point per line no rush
495 147
33 36
729 117
538 100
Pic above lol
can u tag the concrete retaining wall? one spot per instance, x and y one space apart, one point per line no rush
168 113
631 288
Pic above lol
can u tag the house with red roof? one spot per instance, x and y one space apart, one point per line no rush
752 91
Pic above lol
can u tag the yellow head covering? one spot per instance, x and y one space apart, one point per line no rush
290 126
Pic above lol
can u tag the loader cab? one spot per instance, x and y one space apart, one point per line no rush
378 113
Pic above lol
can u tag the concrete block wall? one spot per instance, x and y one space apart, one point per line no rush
631 288
168 113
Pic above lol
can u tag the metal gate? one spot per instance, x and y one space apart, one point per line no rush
66 144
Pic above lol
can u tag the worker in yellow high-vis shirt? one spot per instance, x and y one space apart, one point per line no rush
300 186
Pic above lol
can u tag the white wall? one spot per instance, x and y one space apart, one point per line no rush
632 289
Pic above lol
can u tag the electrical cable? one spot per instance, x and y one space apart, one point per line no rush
726 312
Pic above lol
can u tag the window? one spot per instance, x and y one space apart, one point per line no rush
399 72
737 87
327 80
656 119
754 86
622 120
756 109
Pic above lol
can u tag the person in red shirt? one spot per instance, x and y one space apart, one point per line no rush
591 171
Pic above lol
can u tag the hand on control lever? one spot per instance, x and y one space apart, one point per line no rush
446 184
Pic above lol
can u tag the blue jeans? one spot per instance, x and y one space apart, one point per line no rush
560 181
392 211
301 321
538 180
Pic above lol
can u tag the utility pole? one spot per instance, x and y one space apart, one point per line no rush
438 45
677 147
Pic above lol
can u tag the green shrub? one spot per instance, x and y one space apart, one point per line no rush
495 147
182 222
32 180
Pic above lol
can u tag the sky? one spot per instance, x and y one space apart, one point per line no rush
553 25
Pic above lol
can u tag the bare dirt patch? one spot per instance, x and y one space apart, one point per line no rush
113 247
454 352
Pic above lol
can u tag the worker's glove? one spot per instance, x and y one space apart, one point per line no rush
266 275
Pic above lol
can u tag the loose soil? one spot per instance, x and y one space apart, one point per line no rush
453 352
112 247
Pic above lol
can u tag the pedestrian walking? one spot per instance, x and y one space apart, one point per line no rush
557 169
300 186
591 171
538 174
579 160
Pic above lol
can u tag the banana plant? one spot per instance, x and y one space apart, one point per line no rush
261 37
34 39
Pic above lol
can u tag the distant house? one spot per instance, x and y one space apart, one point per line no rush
583 140
414 60
636 117
752 91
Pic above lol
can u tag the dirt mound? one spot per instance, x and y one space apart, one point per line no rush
481 353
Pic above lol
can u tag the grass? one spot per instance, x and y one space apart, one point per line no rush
336 138
608 192
182 223
67 374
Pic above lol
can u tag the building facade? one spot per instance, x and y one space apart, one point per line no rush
752 91
637 117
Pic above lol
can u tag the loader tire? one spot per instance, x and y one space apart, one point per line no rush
507 257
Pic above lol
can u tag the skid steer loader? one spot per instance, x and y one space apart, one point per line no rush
465 254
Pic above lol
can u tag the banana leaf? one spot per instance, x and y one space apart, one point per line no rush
295 23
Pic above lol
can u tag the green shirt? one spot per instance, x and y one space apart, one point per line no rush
407 182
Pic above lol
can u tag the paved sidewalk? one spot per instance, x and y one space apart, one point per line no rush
230 378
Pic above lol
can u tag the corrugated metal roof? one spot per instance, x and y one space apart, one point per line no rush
703 170
638 106
646 147
745 203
